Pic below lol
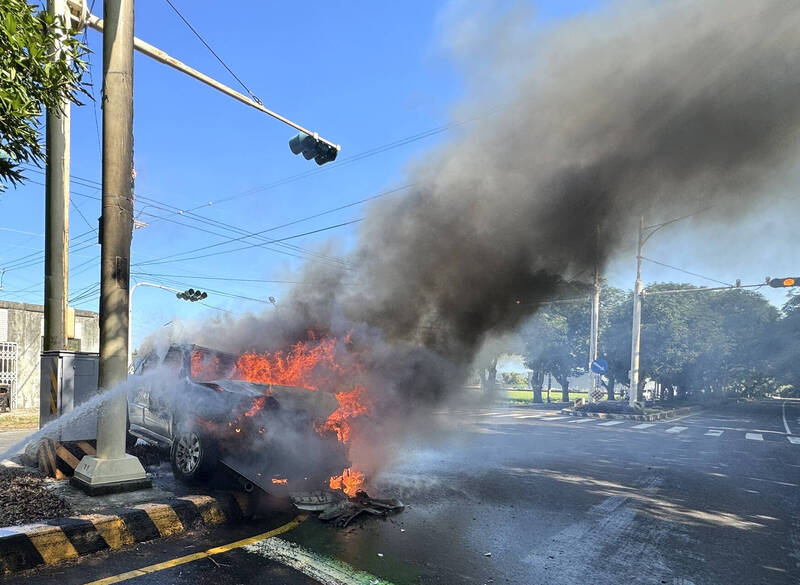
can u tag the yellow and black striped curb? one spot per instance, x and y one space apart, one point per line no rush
639 417
25 547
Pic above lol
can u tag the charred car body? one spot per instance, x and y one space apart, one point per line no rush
191 402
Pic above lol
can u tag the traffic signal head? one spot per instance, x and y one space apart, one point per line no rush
192 295
312 147
784 282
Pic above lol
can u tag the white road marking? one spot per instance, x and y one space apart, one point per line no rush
611 423
583 419
556 418
754 436
323 569
643 426
714 432
530 416
676 430
794 440
785 425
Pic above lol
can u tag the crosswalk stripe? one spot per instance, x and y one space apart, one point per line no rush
584 419
611 423
676 429
794 440
754 436
643 426
555 418
714 432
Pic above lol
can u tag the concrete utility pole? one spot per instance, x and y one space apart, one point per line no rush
112 470
594 378
636 335
56 223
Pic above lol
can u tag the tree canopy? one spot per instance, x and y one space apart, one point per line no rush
698 342
33 76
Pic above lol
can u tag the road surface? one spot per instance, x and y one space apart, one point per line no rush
524 496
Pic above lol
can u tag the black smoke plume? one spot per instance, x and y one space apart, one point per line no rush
647 108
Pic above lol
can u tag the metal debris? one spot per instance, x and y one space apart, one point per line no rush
343 512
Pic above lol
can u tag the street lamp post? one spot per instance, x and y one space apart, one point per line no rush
645 233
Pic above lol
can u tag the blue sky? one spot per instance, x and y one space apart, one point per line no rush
362 74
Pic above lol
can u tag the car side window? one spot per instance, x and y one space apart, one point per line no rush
141 396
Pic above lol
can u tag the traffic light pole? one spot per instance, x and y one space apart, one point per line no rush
112 470
98 24
56 230
593 377
636 333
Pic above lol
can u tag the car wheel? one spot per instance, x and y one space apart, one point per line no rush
193 455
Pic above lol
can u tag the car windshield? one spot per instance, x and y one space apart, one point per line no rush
210 365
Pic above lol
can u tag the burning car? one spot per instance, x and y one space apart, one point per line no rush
269 434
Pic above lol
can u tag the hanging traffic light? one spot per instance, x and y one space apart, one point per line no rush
192 295
784 282
313 147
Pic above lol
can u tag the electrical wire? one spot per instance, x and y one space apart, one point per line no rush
249 246
226 278
213 52
290 223
687 271
294 251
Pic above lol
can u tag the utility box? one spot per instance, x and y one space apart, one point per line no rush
69 379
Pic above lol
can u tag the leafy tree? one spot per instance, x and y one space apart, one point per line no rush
784 343
616 310
557 340
707 342
32 77
515 380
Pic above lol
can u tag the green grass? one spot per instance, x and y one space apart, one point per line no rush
526 396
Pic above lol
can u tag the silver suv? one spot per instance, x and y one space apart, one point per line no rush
191 401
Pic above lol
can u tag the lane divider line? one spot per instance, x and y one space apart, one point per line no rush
326 570
199 555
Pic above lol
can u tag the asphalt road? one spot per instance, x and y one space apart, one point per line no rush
707 499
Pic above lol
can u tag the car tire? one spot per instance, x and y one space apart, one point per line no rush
193 455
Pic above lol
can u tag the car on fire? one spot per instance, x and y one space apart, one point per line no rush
190 400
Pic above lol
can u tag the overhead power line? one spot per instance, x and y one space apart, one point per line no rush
687 271
290 223
249 246
291 250
213 52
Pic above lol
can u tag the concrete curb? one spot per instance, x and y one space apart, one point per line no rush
53 541
640 417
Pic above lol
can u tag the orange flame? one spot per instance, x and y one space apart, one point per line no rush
312 364
279 481
349 482
303 365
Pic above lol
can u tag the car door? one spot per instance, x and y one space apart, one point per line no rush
137 404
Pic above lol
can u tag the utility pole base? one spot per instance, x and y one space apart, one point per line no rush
97 477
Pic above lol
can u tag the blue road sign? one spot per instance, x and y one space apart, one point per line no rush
599 366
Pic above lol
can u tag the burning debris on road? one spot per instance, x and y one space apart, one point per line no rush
332 506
